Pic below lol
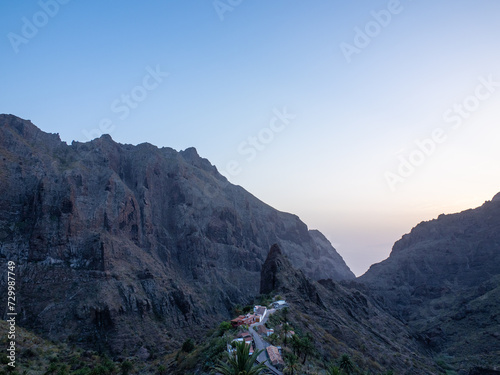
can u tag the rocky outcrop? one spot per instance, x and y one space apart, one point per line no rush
443 280
134 246
278 274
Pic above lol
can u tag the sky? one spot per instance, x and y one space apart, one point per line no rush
363 118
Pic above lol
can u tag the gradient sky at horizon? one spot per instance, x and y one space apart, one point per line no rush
227 78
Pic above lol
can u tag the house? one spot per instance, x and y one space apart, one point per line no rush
249 342
280 304
239 321
260 312
243 336
263 331
275 357
290 334
251 319
244 320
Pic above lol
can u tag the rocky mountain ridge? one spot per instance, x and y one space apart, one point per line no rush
134 247
442 279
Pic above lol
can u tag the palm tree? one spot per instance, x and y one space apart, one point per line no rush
285 324
296 345
127 366
333 370
307 348
346 365
241 362
292 364
285 314
286 329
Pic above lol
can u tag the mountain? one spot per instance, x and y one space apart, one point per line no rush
342 319
134 248
443 280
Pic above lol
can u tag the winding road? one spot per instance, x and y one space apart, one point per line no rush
260 344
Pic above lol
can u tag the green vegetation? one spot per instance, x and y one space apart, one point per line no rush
188 346
333 370
206 354
264 300
162 370
241 362
238 310
36 356
346 365
441 362
247 309
292 364
127 366
303 354
224 327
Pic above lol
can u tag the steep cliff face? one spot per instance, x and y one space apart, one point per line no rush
329 259
342 319
277 274
133 245
443 279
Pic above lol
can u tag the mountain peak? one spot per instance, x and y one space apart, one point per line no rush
119 209
12 128
278 274
274 252
447 262
190 153
275 273
106 137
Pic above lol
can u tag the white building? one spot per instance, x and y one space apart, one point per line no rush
245 337
263 331
260 311
280 304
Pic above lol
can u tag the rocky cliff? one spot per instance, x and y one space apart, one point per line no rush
134 247
443 280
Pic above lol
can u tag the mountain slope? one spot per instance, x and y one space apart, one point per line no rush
341 319
443 279
133 246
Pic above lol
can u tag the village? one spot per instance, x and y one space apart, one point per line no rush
256 334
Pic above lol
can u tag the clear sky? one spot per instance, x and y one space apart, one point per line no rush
363 118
